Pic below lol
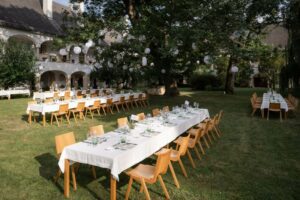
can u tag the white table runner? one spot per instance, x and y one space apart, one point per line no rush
273 98
103 155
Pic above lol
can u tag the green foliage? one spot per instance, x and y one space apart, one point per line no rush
16 64
205 82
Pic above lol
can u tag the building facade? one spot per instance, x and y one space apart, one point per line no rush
36 23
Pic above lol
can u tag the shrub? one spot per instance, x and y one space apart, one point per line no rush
205 82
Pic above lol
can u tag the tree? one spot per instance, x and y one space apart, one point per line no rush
17 63
179 34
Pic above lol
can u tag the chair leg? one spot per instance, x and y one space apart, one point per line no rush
253 111
98 111
191 159
201 148
51 119
206 143
216 131
67 119
104 111
73 178
197 153
163 186
117 107
56 120
174 175
145 189
213 136
75 117
182 168
128 188
268 115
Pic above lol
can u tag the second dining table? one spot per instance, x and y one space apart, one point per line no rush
122 148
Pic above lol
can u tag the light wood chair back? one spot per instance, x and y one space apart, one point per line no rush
166 109
274 107
67 95
109 101
122 122
56 95
219 117
79 97
63 108
131 97
155 112
96 130
122 99
80 106
194 140
63 140
79 93
162 162
184 145
48 100
141 116
97 103
140 97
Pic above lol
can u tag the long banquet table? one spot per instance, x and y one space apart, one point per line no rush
8 93
104 155
53 107
273 98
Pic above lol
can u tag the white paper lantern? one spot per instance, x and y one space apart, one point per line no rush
175 52
63 52
131 69
125 67
89 43
198 62
77 50
144 61
152 64
234 69
206 59
135 54
147 50
163 71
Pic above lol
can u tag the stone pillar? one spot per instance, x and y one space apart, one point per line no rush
86 81
37 82
68 82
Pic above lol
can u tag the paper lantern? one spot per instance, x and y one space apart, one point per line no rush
125 67
63 52
206 59
147 50
77 50
144 61
152 64
89 43
131 69
234 69
163 71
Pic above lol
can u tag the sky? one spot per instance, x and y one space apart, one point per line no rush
64 2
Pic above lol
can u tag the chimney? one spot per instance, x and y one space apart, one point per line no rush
47 8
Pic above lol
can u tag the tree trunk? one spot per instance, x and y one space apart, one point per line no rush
171 87
229 85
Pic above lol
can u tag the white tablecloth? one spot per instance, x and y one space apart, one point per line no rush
273 98
103 155
45 95
52 107
8 93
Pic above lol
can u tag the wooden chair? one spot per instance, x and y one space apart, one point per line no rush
145 99
93 108
166 109
78 110
136 101
274 107
122 122
202 137
67 95
193 140
218 122
141 116
155 112
149 174
255 106
121 103
62 141
56 95
96 130
141 101
256 98
63 111
79 94
31 114
108 105
48 100
176 154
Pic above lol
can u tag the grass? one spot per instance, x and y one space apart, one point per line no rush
254 159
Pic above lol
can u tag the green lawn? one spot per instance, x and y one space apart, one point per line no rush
254 159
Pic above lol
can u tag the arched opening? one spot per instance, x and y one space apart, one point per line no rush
45 50
77 80
53 80
23 39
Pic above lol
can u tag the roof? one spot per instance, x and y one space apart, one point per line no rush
28 15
